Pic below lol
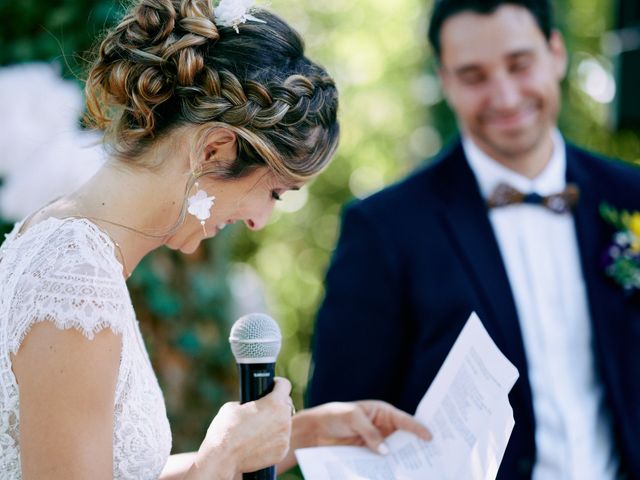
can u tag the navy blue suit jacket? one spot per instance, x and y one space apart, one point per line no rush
416 258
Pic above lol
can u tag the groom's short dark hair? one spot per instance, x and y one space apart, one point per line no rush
444 9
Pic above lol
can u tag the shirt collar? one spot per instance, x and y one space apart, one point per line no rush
490 173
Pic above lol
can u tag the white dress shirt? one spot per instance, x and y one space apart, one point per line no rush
540 252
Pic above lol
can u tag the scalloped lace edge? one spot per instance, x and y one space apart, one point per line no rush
66 324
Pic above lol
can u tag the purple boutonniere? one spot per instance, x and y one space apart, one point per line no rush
622 257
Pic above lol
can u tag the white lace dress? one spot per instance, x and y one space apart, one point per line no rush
65 271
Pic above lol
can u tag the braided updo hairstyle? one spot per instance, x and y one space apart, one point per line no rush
167 64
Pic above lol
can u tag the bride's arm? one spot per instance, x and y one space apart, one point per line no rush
67 389
241 438
177 466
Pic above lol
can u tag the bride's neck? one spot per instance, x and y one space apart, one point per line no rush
137 207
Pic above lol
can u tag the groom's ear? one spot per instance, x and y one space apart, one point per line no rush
559 54
445 79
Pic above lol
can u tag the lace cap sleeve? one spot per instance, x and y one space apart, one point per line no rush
72 280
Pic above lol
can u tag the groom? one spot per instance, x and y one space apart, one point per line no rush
505 223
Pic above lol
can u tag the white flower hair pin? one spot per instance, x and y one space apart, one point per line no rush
231 13
199 205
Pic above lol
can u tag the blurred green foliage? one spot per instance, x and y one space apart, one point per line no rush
393 118
62 30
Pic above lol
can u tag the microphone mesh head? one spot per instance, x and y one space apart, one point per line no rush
255 338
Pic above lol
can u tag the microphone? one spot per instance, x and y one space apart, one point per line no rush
255 342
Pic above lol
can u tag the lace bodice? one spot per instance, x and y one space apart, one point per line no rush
65 271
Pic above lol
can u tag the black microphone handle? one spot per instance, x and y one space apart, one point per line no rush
256 380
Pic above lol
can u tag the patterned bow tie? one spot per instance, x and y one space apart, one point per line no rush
560 202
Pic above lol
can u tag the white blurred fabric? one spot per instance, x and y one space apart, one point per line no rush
43 151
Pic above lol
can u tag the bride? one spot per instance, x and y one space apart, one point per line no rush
210 115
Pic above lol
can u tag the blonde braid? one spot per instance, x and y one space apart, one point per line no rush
167 64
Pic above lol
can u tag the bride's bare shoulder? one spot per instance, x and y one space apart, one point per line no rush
67 386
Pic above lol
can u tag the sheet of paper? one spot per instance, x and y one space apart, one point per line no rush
467 410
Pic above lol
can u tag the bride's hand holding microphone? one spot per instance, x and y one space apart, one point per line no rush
254 436
246 437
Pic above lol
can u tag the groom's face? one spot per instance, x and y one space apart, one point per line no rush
502 78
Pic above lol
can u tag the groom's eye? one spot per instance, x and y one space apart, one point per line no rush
471 76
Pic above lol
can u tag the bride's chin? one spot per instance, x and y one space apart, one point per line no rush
190 247
169 243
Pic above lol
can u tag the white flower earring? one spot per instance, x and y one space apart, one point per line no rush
199 205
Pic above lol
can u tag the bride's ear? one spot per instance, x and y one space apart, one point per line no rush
220 144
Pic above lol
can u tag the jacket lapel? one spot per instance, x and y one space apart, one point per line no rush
588 234
592 239
606 304
464 216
